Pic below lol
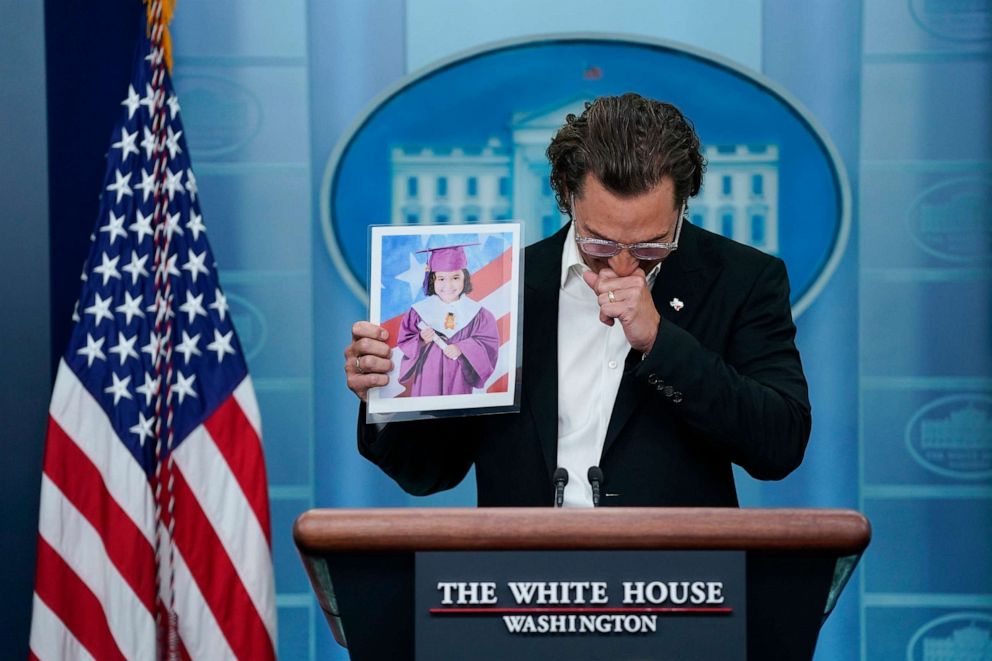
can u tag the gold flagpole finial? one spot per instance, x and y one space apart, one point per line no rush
159 16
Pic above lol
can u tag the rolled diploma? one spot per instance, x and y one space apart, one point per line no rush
437 340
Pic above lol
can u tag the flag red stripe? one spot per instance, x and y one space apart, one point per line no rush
500 384
242 450
73 603
32 657
392 326
78 478
492 276
503 325
217 578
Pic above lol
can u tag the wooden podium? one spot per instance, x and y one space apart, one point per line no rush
361 561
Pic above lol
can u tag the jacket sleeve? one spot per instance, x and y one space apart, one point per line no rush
422 456
752 401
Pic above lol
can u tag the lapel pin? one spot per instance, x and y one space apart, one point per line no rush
677 304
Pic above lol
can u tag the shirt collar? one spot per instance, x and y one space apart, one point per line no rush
572 263
571 260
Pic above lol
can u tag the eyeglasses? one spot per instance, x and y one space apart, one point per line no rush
604 248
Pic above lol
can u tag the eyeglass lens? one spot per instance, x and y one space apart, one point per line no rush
604 250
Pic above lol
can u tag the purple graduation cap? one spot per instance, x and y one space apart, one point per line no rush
445 258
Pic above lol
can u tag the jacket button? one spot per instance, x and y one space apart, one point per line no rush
668 390
653 379
678 397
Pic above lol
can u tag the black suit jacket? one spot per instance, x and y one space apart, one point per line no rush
723 384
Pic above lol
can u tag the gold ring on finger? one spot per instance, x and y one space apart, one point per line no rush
358 365
609 295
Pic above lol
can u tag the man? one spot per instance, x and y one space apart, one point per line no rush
654 349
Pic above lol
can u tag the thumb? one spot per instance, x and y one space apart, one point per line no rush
592 279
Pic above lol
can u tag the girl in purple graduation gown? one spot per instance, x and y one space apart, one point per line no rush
450 343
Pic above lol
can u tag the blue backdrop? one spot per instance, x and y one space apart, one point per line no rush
896 346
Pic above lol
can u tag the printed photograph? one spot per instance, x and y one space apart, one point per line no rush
448 296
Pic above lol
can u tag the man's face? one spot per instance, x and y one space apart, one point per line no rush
650 217
448 285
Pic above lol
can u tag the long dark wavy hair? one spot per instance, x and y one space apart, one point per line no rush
629 143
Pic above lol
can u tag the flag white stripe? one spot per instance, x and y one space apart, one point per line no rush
84 421
198 629
498 302
499 371
245 396
224 504
72 536
50 638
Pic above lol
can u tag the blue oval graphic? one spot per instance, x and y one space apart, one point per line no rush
966 635
221 115
253 331
956 21
464 141
952 436
953 220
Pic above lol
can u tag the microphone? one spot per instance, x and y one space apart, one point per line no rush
560 479
595 480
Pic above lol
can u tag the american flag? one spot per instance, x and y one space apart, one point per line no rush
154 532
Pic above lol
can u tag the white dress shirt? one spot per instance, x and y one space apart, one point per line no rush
591 359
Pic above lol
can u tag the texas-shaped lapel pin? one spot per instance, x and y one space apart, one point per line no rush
677 304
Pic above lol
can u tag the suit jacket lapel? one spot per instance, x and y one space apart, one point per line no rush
683 278
542 281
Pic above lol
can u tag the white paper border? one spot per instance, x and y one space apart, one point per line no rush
379 405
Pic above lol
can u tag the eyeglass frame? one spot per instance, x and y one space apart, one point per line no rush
670 246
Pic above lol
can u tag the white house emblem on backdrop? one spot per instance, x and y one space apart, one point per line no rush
962 635
952 436
433 183
410 160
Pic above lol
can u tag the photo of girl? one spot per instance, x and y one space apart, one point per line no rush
448 298
450 343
